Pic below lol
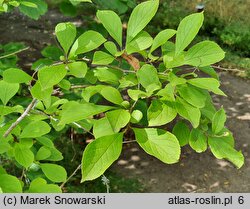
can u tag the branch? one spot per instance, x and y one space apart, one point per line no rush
114 67
74 173
130 141
79 126
79 86
14 53
25 113
226 69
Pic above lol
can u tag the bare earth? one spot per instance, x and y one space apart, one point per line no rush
195 172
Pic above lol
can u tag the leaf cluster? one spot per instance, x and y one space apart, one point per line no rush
109 87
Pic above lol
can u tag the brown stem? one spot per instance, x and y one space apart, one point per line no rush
79 86
14 53
114 67
74 173
25 113
130 141
226 69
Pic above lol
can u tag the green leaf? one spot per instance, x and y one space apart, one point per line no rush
210 71
175 80
42 94
88 92
108 75
2 170
226 136
77 69
67 9
5 110
128 80
142 106
4 146
8 90
99 155
53 172
168 47
208 110
34 12
56 103
159 143
111 47
41 63
102 127
10 184
210 84
23 155
193 95
64 84
51 75
161 38
40 185
102 58
117 5
218 121
160 113
34 167
188 112
35 129
66 34
28 4
140 17
52 52
197 140
167 93
28 143
187 30
90 77
182 132
43 153
76 2
136 116
118 119
111 94
203 54
221 148
73 111
56 155
15 75
5 6
171 60
45 141
88 41
148 77
136 94
112 23
141 42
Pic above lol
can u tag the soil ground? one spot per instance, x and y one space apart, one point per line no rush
195 172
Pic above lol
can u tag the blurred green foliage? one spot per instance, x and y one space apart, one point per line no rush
226 22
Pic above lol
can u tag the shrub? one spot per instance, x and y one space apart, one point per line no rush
108 89
237 37
32 8
225 21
